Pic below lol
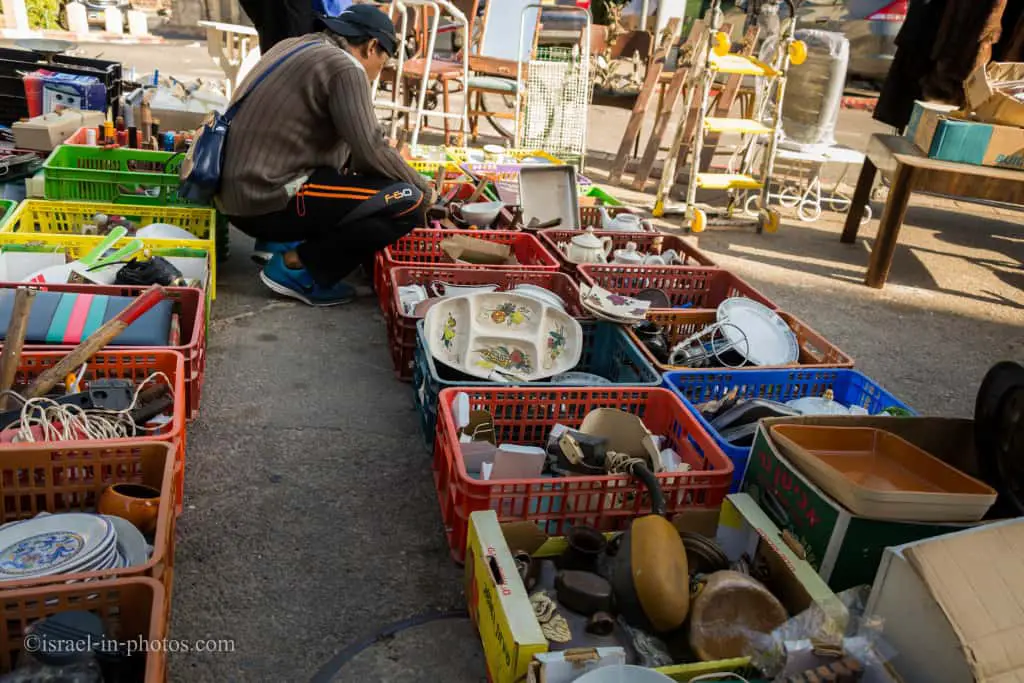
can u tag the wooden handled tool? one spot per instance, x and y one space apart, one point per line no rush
95 342
477 191
16 329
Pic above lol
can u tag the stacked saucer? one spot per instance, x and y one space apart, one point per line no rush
68 543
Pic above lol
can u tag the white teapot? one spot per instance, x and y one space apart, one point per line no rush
624 222
587 247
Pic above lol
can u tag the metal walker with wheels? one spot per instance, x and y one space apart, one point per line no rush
717 60
799 186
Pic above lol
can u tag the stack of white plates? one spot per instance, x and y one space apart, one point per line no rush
68 543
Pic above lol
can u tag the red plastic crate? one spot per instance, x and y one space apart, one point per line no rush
525 415
189 305
402 327
647 242
695 287
136 365
423 246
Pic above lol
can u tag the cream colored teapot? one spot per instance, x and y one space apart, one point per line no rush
587 247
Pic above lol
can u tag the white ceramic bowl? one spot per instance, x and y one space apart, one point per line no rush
481 213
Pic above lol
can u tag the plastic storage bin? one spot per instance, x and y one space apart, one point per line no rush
59 224
849 387
71 478
686 286
648 242
135 609
423 246
525 415
402 326
122 175
607 352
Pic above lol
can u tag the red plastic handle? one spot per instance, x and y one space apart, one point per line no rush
143 303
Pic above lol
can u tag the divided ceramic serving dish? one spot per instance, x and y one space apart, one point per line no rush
503 337
877 474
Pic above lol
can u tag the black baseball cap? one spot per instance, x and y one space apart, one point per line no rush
364 21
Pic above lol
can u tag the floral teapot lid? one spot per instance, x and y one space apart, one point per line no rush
588 240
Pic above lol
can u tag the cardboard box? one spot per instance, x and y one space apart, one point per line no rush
500 607
951 605
846 549
49 130
988 103
946 135
745 529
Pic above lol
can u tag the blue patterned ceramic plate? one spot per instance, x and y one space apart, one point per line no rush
54 544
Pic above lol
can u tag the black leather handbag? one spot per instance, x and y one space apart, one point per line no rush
200 172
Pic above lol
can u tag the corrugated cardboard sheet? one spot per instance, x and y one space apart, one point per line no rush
978 580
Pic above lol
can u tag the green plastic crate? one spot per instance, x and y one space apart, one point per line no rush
119 176
7 207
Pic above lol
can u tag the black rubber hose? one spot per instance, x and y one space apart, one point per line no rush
651 482
328 672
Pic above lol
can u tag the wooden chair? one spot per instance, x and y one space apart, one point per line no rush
494 60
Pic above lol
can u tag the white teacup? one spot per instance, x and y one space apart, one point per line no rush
444 290
671 257
654 260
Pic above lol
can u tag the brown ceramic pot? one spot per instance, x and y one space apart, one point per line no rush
137 503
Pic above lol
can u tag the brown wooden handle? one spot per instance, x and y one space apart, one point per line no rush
15 341
95 342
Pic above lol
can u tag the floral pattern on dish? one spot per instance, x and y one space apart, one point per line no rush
509 314
555 344
506 358
40 552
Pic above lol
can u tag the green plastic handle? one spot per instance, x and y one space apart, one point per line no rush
133 247
90 259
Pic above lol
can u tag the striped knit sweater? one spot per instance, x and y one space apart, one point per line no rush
315 110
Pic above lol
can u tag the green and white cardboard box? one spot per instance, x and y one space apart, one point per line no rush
845 548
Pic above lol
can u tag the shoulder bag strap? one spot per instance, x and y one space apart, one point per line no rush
233 109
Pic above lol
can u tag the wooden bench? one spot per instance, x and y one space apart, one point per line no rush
908 170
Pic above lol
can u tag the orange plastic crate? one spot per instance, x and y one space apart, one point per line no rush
525 415
134 609
402 327
422 247
189 305
71 478
135 364
696 287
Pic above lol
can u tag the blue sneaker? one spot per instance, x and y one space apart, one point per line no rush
299 284
262 251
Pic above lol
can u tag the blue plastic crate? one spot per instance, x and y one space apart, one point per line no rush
849 387
607 351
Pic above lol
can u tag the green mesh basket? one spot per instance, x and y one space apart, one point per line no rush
120 176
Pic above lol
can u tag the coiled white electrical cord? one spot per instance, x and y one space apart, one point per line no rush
65 422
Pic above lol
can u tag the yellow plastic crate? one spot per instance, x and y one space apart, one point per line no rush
59 224
429 168
461 154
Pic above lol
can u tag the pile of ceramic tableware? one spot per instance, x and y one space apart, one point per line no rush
68 543
612 307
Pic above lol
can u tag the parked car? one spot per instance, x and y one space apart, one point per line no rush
870 25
